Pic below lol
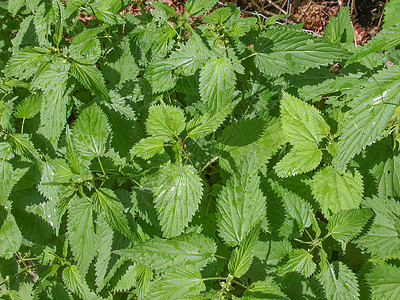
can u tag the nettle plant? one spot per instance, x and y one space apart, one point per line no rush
200 155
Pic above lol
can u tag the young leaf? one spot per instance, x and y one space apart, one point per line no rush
165 122
384 281
242 256
339 281
6 181
177 196
10 237
29 107
340 28
196 8
91 131
371 112
209 122
90 77
301 122
81 233
105 202
280 50
217 82
337 191
345 225
161 254
240 204
298 208
147 148
300 159
76 283
301 261
176 284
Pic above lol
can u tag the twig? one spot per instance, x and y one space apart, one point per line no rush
380 19
277 6
304 11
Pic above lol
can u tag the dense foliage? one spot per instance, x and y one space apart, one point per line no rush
200 155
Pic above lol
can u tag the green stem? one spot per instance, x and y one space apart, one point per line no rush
244 58
221 257
22 126
101 166
209 163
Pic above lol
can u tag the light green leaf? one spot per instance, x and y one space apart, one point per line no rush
339 282
242 257
10 237
6 181
340 28
336 191
107 16
159 74
370 114
392 9
302 122
105 202
29 107
165 122
76 283
81 233
14 6
280 50
300 159
59 15
387 39
143 277
148 147
345 225
159 254
240 204
217 82
105 236
298 208
91 132
267 289
177 196
196 8
90 77
5 151
209 122
21 145
301 261
127 281
25 63
177 284
384 281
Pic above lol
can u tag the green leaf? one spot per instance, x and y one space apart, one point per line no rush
10 237
165 122
105 236
384 281
301 122
337 191
107 16
30 107
147 148
53 114
267 289
59 15
21 145
387 39
345 225
76 283
6 181
81 233
242 257
298 208
240 204
90 77
14 6
143 277
281 50
371 112
300 159
196 8
301 261
177 284
91 132
217 82
177 196
340 28
339 281
160 254
392 9
25 63
106 203
159 74
128 280
209 122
